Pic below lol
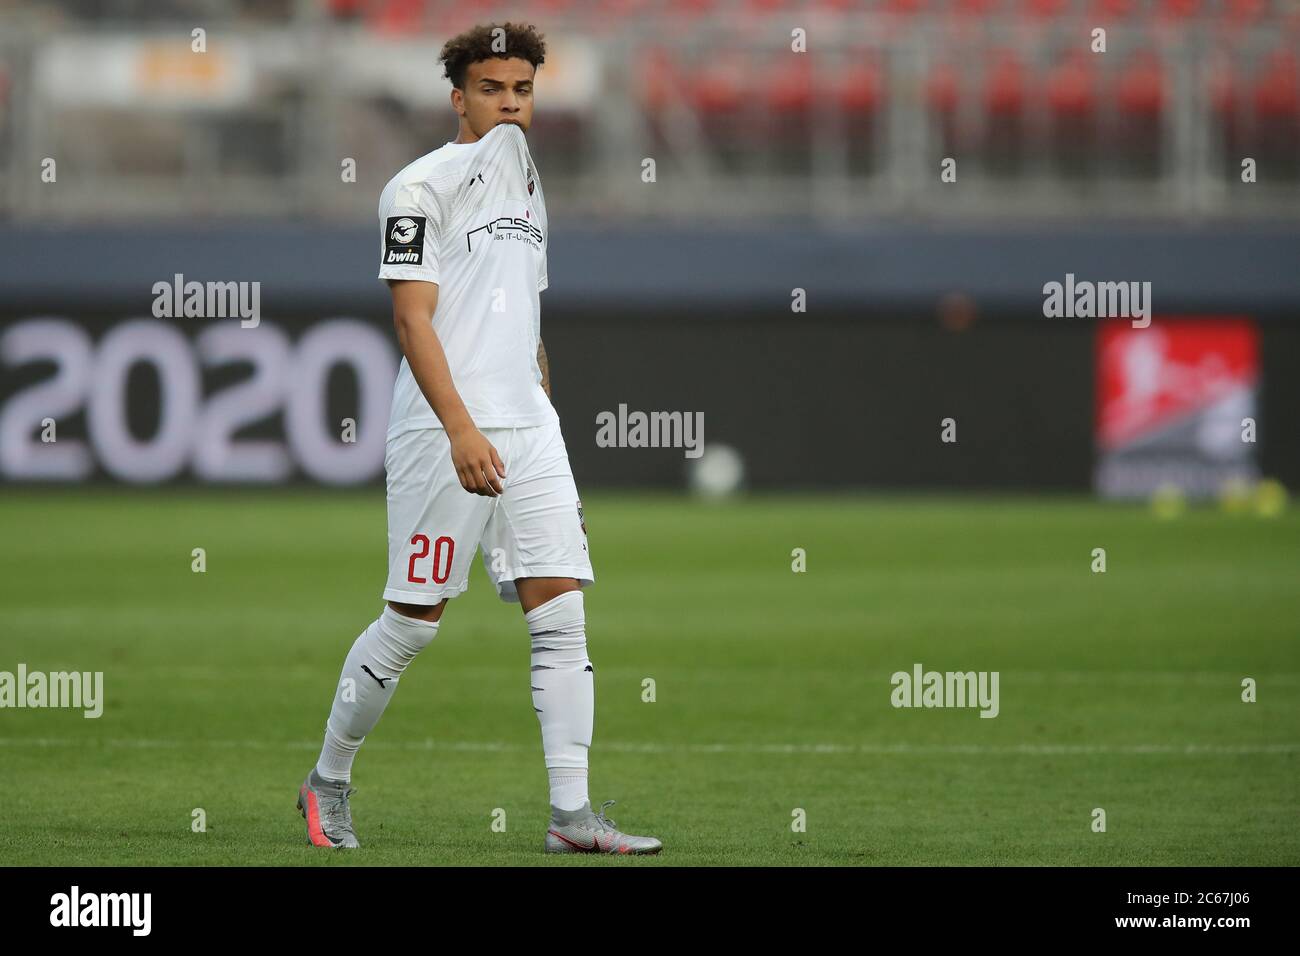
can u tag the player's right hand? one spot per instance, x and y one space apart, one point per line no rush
477 464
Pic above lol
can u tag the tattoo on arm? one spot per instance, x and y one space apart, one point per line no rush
546 369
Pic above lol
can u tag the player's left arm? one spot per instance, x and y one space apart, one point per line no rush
546 369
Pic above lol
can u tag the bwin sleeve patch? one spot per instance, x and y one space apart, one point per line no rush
404 240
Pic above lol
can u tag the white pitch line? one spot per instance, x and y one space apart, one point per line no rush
487 746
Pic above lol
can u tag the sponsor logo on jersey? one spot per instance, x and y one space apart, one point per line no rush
404 240
507 227
581 520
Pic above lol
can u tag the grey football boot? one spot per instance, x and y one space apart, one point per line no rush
582 831
324 805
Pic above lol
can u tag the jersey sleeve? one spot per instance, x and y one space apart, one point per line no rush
410 226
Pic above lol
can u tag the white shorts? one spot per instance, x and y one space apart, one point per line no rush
534 529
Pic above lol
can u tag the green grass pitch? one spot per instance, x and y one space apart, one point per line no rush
1119 691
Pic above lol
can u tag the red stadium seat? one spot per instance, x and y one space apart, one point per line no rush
1071 89
974 8
1045 9
1113 9
399 16
1222 87
608 13
718 85
943 87
1244 11
691 8
1072 86
1004 84
1275 139
1139 147
904 8
859 88
1141 86
786 130
657 76
550 8
790 84
1179 9
1277 89
1002 134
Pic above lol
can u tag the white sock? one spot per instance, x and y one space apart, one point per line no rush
370 674
563 684
568 788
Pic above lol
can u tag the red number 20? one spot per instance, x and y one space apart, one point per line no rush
423 541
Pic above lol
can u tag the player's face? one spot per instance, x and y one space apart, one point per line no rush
496 91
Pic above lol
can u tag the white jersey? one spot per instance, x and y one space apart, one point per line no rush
471 217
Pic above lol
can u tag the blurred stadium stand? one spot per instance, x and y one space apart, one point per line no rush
738 124
776 171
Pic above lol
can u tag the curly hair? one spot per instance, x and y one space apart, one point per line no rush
489 42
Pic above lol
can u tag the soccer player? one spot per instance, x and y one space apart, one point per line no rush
474 456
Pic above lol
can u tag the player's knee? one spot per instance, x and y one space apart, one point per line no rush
558 630
563 611
534 592
422 612
401 637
